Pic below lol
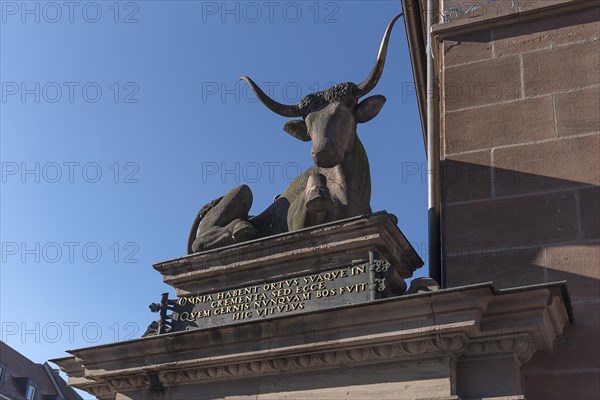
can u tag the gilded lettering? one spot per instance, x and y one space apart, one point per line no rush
358 269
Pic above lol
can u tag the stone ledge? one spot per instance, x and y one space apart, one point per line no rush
473 322
294 253
507 16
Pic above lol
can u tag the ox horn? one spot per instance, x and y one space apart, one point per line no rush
281 109
368 84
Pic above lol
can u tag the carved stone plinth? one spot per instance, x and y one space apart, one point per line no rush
369 340
468 342
347 262
292 254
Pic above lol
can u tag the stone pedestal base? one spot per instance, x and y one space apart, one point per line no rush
466 343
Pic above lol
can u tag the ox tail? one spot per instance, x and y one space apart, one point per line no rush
201 214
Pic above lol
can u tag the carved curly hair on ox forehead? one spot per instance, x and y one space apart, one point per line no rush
317 100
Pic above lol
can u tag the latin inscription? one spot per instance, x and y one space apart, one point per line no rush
347 285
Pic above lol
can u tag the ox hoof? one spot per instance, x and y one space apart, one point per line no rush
244 231
319 204
318 198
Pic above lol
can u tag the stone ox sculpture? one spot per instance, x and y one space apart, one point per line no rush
338 186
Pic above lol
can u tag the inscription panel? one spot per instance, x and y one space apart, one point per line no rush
353 284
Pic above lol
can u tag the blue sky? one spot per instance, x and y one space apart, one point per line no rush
119 120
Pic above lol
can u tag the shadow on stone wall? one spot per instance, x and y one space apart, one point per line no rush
518 227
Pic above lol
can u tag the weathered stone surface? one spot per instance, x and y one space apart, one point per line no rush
348 383
488 378
553 165
467 48
501 124
292 254
578 264
515 222
468 12
563 68
589 203
402 345
482 83
577 348
467 177
561 386
505 267
547 32
578 112
558 46
422 285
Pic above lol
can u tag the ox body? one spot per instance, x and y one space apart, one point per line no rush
337 186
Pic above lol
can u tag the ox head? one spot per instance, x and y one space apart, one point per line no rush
329 118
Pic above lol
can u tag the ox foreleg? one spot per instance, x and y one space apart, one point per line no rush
312 206
227 222
317 196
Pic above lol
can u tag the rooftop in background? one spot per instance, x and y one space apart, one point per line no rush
21 378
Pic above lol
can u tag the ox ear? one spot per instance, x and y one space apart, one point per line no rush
297 128
368 109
